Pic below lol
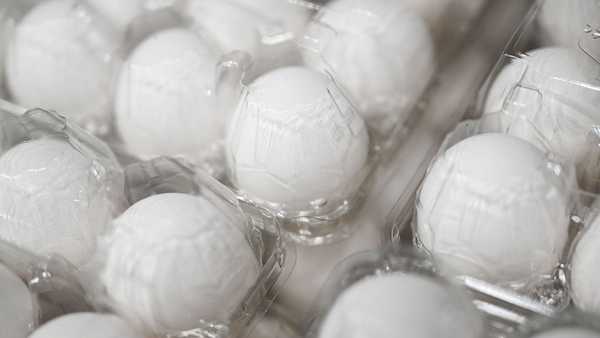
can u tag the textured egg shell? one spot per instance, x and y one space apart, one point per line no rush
490 208
568 333
556 96
173 260
88 325
380 51
293 139
165 103
51 201
51 64
413 306
17 311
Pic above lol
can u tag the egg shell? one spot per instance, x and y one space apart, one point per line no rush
175 261
380 51
584 280
443 16
165 101
17 309
266 29
236 33
571 332
563 23
88 325
271 327
492 207
396 304
52 200
57 61
549 99
294 139
119 14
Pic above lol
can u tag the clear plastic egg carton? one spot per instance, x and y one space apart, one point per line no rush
68 232
172 78
541 96
306 145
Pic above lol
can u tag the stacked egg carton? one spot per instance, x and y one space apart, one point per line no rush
199 136
519 232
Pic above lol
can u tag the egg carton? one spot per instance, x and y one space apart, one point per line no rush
124 43
63 281
544 102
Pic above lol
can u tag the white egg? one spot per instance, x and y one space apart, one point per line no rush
548 98
584 280
568 332
88 325
117 13
401 305
494 208
565 23
235 33
174 262
17 309
265 29
446 17
57 61
294 139
380 51
271 327
54 199
165 100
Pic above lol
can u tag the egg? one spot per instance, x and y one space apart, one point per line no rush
266 29
493 207
400 304
88 325
17 308
165 100
567 332
56 60
379 51
236 33
570 24
174 262
54 199
547 98
118 14
272 327
294 140
584 281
